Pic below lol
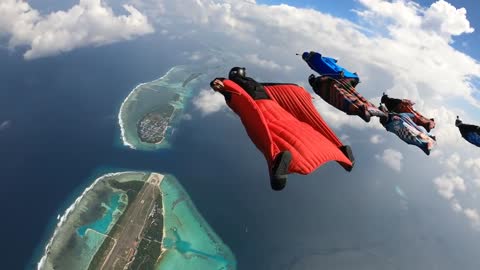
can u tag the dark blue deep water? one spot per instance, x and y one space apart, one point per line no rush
63 133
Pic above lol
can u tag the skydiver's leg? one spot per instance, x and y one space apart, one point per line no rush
279 172
334 93
423 130
344 101
347 151
348 83
349 101
327 89
366 108
419 119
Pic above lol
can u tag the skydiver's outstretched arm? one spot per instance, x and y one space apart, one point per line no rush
470 128
218 86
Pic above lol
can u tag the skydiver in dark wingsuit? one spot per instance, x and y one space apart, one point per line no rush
471 133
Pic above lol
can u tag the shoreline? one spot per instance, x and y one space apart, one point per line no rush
121 110
177 208
68 211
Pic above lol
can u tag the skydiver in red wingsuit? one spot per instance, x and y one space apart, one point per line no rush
282 122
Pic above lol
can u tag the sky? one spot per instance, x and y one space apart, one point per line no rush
426 51
344 9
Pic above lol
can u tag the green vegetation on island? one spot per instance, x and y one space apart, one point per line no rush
135 221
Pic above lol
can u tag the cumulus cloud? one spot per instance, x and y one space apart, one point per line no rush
472 215
477 182
453 161
474 165
376 139
338 119
90 22
267 64
5 124
209 102
448 184
456 206
345 138
278 31
416 52
456 179
441 18
392 158
187 116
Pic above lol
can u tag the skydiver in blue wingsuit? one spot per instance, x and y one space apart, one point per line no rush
471 133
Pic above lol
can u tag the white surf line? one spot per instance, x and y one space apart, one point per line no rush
69 210
120 113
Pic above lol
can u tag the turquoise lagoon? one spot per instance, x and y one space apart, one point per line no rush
102 225
85 224
188 240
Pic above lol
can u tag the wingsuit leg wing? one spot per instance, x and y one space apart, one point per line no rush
298 102
341 94
403 126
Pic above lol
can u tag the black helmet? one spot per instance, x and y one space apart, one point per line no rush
237 71
384 98
458 122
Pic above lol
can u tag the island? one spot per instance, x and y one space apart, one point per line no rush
151 109
152 127
135 220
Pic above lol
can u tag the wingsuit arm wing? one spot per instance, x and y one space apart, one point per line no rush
251 117
408 102
469 128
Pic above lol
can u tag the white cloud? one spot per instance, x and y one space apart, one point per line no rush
442 17
415 43
472 215
338 119
453 161
392 158
187 116
376 139
90 22
5 124
474 165
477 182
194 56
278 31
448 184
345 138
268 64
209 102
456 206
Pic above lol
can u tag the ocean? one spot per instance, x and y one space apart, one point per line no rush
64 133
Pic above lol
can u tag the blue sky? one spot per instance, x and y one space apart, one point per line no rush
343 8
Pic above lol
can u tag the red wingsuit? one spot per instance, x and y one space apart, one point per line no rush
287 121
